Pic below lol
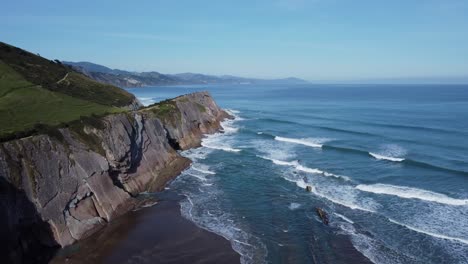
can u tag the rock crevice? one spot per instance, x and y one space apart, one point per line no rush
73 187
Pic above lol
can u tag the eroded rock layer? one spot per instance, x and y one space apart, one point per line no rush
61 187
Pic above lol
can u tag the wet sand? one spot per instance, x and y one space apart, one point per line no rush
156 234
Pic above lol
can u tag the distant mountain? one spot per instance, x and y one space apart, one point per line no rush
92 67
139 79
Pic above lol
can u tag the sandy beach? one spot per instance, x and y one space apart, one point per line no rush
156 234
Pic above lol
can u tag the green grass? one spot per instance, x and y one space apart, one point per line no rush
22 108
9 79
32 101
46 73
166 110
80 86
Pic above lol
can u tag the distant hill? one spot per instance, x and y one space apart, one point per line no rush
92 67
37 90
139 79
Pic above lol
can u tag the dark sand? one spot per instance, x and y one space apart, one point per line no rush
157 234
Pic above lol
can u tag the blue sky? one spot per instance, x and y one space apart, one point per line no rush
334 40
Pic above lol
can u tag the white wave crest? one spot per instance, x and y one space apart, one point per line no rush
344 218
202 170
201 178
302 141
300 183
302 168
232 111
382 157
344 202
411 193
222 141
220 147
461 240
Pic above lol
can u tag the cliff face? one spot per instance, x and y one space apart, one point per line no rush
62 187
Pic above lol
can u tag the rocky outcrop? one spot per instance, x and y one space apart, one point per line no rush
322 214
71 182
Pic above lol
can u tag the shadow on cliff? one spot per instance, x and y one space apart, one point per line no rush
24 236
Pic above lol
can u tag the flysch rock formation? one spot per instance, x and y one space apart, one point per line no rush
59 188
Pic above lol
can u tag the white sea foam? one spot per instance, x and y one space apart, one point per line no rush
204 210
203 170
302 168
390 152
260 133
300 183
240 242
371 248
201 178
273 150
197 154
343 202
232 111
220 147
202 205
461 240
283 163
340 195
411 193
302 141
344 218
294 206
222 141
382 157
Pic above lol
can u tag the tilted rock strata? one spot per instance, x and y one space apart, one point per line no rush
80 179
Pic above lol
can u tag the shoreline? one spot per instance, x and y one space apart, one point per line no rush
154 234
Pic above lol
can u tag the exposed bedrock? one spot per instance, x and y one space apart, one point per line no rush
67 185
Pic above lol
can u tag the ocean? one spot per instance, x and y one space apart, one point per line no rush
388 163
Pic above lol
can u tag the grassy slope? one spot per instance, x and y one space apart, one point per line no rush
22 104
40 71
31 93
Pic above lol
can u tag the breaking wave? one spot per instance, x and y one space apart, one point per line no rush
456 239
411 193
382 157
344 218
219 141
302 168
203 170
219 147
321 192
303 141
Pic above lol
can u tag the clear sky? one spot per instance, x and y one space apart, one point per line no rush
311 39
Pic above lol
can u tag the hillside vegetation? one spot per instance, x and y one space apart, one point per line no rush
34 90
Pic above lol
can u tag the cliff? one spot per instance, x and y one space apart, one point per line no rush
60 187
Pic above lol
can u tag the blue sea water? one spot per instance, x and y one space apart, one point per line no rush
388 163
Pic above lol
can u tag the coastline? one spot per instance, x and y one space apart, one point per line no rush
93 171
154 234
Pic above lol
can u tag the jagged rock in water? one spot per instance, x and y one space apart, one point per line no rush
68 185
322 214
309 188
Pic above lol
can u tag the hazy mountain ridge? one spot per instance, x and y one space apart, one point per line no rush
139 79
